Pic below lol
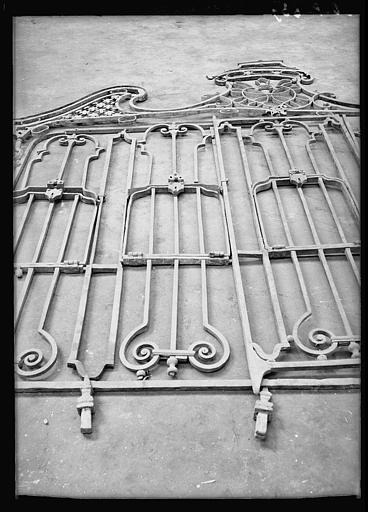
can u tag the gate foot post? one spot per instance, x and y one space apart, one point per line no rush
262 413
85 406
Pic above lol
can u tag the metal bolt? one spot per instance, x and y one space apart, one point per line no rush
141 374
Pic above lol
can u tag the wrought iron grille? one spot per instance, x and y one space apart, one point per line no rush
241 210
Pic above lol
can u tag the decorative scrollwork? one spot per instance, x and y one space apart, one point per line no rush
318 342
254 70
105 103
73 138
273 96
269 86
142 353
205 355
173 129
30 362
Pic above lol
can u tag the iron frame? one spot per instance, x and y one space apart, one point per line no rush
218 120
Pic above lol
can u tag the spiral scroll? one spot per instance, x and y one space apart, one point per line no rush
142 353
176 129
30 362
205 352
78 140
320 340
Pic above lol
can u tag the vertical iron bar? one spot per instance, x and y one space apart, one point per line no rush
323 187
152 221
43 234
174 306
127 204
202 250
340 169
20 231
173 149
24 294
35 159
227 244
265 258
113 334
217 165
24 161
91 233
49 297
293 254
150 165
73 356
223 210
94 230
30 271
350 137
321 254
278 200
147 289
257 366
68 228
96 219
37 252
65 160
27 171
195 164
56 273
248 181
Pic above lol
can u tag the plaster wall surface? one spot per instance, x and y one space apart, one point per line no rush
187 445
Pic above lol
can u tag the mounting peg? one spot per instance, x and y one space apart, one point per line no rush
171 363
54 190
19 272
216 254
175 184
85 406
141 374
298 177
354 348
262 413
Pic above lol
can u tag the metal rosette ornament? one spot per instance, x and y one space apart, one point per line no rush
285 93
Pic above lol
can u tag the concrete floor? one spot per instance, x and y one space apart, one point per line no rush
60 59
163 445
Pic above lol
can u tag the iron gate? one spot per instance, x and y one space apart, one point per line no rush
220 238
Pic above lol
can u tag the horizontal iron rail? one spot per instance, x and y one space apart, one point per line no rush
188 187
193 259
190 385
107 127
50 267
304 250
40 193
169 259
313 365
134 117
